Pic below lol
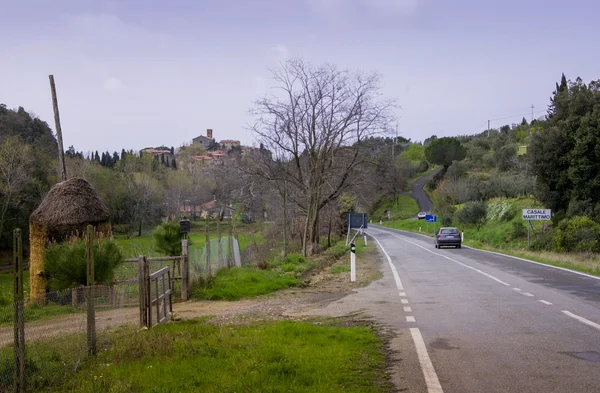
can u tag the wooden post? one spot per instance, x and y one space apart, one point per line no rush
61 151
219 246
148 291
208 267
19 323
231 255
142 292
91 311
185 271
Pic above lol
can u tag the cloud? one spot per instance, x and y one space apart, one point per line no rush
113 84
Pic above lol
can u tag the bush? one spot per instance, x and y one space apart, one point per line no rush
446 220
577 234
518 230
542 241
473 213
167 239
66 267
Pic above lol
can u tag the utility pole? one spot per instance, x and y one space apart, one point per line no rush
61 152
488 128
532 112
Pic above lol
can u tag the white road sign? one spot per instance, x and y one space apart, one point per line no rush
537 214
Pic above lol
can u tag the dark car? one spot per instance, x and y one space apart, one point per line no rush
448 237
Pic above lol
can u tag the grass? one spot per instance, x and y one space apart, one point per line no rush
403 207
197 356
245 282
496 235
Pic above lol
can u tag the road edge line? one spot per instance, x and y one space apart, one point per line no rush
431 379
394 271
582 319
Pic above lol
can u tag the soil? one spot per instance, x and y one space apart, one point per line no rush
322 287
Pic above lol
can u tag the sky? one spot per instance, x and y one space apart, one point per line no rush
139 73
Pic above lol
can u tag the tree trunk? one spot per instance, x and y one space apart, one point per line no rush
140 229
285 236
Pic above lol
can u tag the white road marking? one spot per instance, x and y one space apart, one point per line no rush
545 302
582 319
443 256
431 378
410 319
404 301
407 309
403 294
527 294
395 273
517 289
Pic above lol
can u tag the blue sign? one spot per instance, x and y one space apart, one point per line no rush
430 218
357 220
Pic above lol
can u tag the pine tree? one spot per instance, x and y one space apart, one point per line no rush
97 156
115 159
173 163
172 150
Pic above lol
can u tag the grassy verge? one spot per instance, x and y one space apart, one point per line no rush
245 282
403 207
197 356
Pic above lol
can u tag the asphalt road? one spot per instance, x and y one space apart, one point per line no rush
419 194
483 323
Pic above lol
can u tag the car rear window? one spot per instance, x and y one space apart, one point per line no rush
449 231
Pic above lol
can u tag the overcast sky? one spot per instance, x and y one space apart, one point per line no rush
138 73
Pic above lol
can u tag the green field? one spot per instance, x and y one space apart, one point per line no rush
197 356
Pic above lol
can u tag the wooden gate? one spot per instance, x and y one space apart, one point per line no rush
156 304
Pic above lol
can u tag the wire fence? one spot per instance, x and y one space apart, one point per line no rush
56 332
217 254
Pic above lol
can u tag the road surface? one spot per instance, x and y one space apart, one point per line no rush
419 194
473 321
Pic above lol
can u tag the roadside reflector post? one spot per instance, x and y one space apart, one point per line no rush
462 236
365 237
419 228
352 262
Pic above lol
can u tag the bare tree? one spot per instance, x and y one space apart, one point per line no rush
15 173
316 124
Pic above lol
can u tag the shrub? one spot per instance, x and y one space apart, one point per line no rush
577 234
473 213
66 267
446 220
518 230
542 241
167 238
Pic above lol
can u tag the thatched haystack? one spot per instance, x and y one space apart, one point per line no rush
67 210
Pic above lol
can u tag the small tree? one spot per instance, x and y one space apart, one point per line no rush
444 151
473 213
167 238
66 267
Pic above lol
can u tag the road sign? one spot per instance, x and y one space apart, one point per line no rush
357 220
430 218
537 214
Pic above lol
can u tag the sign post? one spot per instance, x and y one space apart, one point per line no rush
535 215
431 218
352 262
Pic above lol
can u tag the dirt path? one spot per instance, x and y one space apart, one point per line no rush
323 288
